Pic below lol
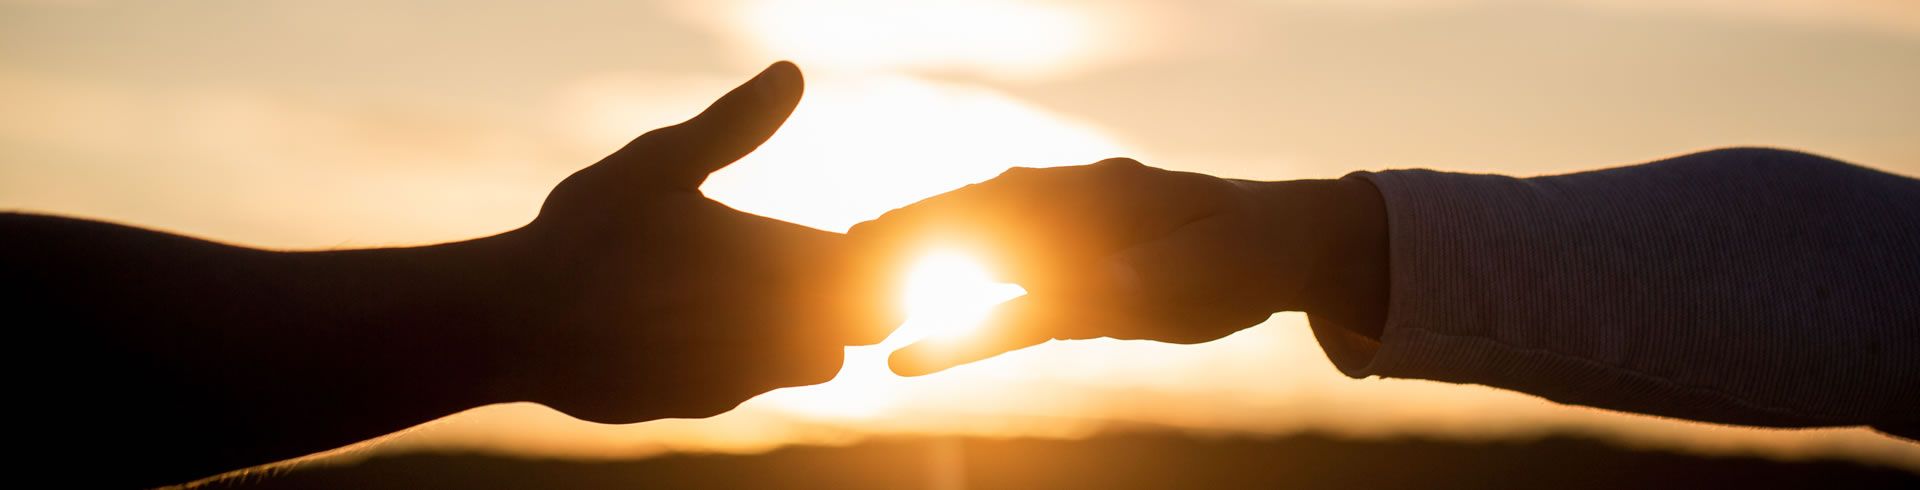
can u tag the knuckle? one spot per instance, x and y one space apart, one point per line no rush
1017 173
1120 169
662 140
607 413
864 227
891 222
1762 159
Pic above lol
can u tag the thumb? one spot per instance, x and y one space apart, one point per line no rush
1014 325
682 155
1009 328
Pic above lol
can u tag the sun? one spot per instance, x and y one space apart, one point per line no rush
947 295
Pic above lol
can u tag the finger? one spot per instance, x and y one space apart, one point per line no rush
871 275
1038 226
1009 328
820 292
683 154
1017 324
1119 197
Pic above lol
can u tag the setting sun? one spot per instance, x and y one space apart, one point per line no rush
947 295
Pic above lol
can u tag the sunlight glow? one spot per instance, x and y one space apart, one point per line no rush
863 388
947 294
860 145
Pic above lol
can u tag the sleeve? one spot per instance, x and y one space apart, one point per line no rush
1744 286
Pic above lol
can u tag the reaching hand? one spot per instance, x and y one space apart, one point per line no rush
654 301
1119 249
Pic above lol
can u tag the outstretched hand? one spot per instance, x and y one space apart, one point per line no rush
1119 249
654 301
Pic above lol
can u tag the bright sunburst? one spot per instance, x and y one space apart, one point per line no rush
947 295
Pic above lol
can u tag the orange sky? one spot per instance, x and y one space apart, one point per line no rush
362 123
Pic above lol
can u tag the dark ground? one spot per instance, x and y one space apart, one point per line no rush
1125 461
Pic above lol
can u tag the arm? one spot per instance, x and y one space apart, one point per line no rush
181 358
631 297
1744 286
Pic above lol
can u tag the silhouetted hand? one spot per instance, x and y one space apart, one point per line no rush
1119 249
654 301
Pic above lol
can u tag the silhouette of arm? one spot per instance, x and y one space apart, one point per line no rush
631 297
1744 286
177 358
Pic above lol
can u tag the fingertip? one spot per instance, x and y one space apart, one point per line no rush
932 356
1013 326
682 155
780 81
784 67
910 363
860 230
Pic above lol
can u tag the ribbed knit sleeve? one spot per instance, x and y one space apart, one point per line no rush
1745 286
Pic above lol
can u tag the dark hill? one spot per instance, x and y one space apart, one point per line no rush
1123 461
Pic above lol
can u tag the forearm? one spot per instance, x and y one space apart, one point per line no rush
193 357
1750 286
1345 292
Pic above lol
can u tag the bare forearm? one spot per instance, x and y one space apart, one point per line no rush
193 357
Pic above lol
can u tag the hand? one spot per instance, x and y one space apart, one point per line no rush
1119 249
651 300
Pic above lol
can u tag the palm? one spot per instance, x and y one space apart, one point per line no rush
656 289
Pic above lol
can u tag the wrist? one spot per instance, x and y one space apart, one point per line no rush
469 314
510 298
1348 283
428 328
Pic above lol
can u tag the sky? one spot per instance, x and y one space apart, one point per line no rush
311 125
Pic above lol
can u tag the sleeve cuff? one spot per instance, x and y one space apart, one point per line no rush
1356 355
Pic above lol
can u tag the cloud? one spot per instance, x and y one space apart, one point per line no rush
1284 91
1005 39
1894 16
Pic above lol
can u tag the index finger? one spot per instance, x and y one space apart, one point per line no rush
1044 227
